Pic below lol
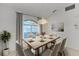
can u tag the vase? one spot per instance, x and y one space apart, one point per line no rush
6 52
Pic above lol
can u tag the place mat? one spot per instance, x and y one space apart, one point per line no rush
31 41
42 40
50 38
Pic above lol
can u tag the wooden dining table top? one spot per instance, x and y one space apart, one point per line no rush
35 44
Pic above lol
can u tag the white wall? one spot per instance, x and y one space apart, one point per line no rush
8 22
54 19
69 18
72 18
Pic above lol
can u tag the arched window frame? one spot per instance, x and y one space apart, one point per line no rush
31 25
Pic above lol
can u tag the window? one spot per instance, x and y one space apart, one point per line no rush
30 26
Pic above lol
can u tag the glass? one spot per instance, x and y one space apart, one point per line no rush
29 26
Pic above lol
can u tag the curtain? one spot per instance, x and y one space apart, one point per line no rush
19 27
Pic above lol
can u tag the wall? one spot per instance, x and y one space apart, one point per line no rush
8 22
72 18
54 19
69 18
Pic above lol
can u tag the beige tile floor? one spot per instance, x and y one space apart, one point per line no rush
71 52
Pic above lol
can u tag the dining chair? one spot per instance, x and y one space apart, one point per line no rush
53 51
56 50
54 41
28 52
61 52
19 50
0 52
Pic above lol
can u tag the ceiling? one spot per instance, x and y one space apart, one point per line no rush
37 9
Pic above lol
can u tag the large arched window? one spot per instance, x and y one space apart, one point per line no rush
30 26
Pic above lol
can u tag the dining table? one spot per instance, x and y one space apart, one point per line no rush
36 44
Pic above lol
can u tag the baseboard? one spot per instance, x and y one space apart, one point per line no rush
73 49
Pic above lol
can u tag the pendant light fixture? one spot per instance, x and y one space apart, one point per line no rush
42 21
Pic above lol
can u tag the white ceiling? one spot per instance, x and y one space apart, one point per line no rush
38 9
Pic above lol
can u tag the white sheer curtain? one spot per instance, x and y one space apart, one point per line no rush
19 28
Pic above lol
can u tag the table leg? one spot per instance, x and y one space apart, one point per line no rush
37 52
46 46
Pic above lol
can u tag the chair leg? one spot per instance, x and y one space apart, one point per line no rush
61 54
